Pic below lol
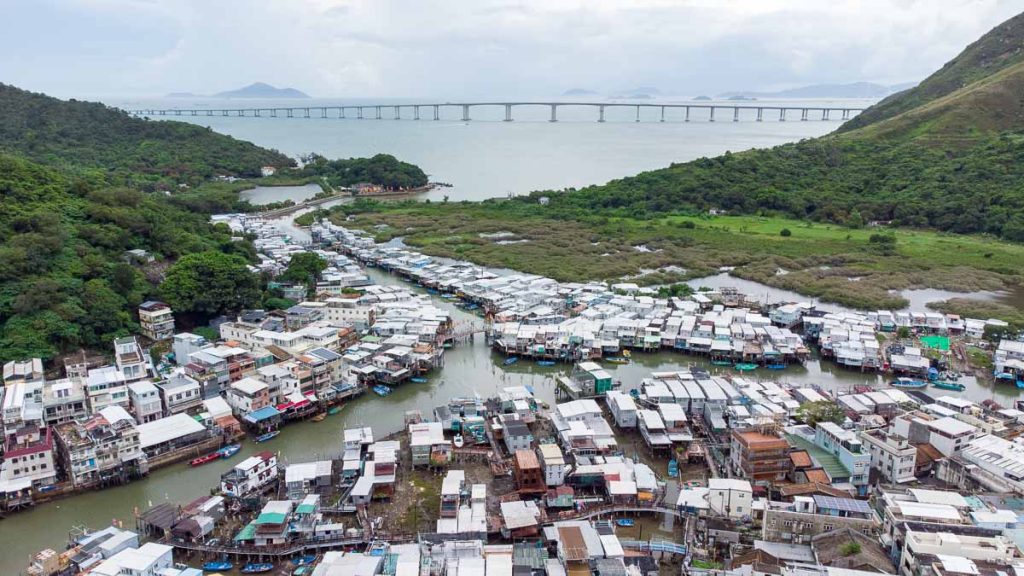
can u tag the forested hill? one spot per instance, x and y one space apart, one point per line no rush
932 157
93 139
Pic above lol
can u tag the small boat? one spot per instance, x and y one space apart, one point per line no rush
381 390
303 560
776 366
319 417
933 374
204 459
624 522
546 363
459 441
721 363
908 383
268 436
221 565
229 450
418 380
745 366
303 571
257 567
673 468
943 385
334 410
511 360
617 359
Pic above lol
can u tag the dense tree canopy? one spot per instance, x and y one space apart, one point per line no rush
304 268
210 283
382 169
811 413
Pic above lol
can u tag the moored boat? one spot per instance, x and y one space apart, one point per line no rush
776 366
908 383
319 417
268 436
943 385
459 441
303 560
228 451
257 568
418 380
673 468
745 366
381 390
617 360
721 363
204 459
511 360
624 522
221 565
545 363
334 410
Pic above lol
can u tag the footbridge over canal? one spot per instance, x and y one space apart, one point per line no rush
462 111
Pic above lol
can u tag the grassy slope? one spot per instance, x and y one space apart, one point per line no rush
999 48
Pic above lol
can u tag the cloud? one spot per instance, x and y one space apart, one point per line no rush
479 48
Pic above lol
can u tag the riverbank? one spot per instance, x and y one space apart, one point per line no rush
862 268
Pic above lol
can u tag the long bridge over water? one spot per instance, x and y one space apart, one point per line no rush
463 111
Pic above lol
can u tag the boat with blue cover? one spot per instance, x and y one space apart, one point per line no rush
257 568
268 436
381 390
218 566
511 360
229 450
908 384
545 363
624 522
418 380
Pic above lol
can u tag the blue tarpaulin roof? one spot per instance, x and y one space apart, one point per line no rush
261 415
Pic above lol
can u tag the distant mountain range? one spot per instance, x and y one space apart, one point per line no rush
255 90
852 90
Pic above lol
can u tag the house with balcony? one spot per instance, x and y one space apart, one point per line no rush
250 475
28 464
156 320
893 456
248 395
180 393
144 401
101 450
64 400
130 359
106 386
759 457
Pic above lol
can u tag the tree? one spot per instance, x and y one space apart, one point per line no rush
304 267
850 548
209 283
821 411
785 233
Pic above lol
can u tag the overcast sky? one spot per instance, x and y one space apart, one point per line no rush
479 48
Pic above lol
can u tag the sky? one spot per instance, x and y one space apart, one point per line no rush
479 48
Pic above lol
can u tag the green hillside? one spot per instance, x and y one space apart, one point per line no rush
89 138
81 183
999 49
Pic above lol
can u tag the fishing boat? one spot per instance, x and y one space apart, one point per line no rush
511 360
229 450
624 522
776 366
745 366
617 360
319 417
459 441
673 468
204 459
381 390
221 565
257 567
334 410
268 436
908 383
418 380
546 363
943 385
